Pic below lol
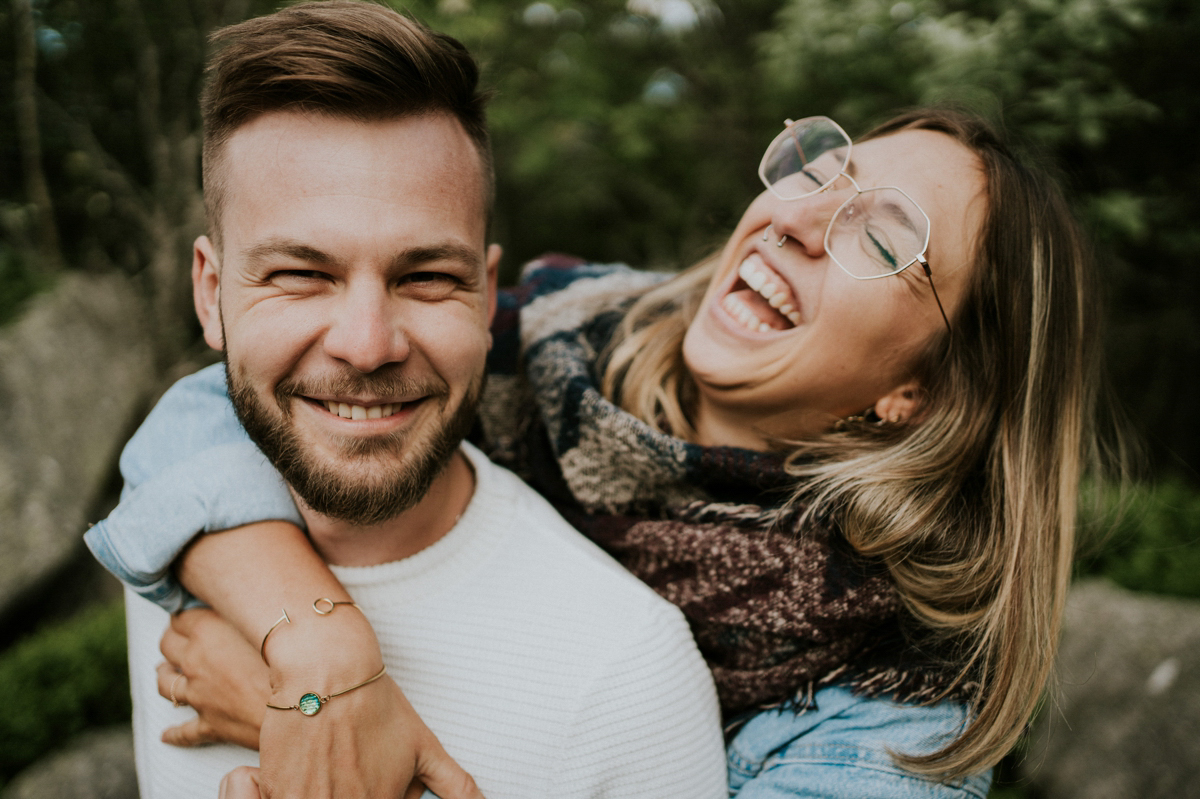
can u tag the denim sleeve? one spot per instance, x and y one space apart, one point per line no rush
190 468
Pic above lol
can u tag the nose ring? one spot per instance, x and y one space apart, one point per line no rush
766 233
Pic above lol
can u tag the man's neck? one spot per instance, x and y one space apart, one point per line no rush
343 544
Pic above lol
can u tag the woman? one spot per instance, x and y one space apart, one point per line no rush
859 430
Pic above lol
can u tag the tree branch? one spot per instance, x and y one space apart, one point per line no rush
37 188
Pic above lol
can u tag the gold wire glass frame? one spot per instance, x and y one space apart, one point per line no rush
806 140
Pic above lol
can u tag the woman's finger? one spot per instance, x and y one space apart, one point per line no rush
191 733
442 775
172 645
185 622
241 783
172 684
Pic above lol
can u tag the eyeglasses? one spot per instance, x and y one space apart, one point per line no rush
875 233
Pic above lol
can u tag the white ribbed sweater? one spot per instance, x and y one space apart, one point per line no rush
544 668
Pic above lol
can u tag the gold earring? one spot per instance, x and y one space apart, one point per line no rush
866 417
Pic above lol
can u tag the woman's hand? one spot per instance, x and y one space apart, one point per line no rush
368 742
212 668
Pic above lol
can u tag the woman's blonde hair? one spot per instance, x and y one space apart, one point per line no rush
973 508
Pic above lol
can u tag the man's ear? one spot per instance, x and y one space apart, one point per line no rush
901 404
206 291
494 251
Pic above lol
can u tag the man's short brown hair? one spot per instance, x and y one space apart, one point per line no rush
343 58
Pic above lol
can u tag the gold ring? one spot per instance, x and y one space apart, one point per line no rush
175 682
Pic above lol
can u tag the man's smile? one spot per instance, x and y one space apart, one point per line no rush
360 412
356 411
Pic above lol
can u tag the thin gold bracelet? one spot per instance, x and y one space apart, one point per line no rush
317 604
310 703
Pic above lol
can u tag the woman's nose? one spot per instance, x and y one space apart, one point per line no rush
803 222
365 331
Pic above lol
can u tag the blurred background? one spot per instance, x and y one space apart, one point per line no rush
624 130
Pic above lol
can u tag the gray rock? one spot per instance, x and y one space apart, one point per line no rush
1127 722
75 372
96 765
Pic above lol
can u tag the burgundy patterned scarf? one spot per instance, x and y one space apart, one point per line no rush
777 609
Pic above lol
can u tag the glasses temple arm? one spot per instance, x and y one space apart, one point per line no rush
929 277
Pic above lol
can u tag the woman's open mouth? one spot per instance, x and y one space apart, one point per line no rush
760 300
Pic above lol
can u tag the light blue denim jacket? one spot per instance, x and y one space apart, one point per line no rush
188 470
841 750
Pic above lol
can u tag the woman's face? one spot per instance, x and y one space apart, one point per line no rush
843 345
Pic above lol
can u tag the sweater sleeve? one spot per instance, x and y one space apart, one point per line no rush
650 728
190 468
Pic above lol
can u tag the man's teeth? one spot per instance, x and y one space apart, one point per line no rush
758 279
361 411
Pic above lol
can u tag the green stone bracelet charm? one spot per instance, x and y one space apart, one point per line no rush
310 703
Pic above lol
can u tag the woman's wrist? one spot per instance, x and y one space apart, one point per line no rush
321 653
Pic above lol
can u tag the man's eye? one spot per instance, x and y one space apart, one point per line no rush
432 280
297 275
430 285
428 277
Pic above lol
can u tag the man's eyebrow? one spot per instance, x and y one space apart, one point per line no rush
288 249
416 256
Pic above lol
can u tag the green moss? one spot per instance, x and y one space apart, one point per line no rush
18 282
59 681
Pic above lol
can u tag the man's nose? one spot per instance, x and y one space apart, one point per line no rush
366 330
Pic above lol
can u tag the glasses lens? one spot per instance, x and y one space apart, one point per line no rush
805 158
877 232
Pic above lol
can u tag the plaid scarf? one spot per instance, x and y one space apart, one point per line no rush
777 609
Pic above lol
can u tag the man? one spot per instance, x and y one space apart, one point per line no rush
347 281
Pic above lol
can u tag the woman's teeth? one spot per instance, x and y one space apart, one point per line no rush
763 282
361 411
739 311
758 278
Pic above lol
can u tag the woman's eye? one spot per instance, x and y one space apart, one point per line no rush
814 176
880 247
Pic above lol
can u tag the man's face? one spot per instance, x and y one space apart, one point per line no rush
352 296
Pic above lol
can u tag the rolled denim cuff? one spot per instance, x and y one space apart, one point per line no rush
144 534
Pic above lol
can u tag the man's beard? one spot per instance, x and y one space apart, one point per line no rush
395 485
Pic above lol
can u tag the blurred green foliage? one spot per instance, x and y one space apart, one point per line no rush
619 135
61 680
1147 540
630 129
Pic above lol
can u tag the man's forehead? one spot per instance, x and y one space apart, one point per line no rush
426 161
